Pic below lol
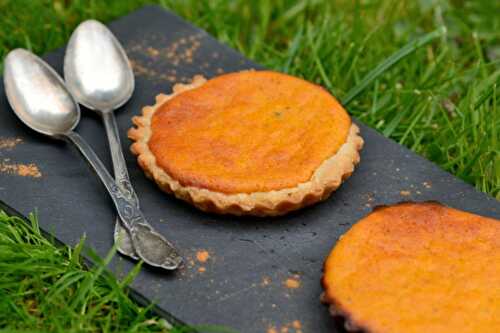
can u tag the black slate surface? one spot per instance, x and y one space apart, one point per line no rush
250 259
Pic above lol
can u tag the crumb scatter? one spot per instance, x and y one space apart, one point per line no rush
198 263
9 143
152 52
202 256
405 193
179 52
292 283
265 281
291 327
23 170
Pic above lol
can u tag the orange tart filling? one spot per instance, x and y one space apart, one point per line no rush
252 131
417 268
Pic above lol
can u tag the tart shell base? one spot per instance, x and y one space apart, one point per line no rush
327 177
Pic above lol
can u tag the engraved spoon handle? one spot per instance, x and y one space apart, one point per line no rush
126 205
119 165
122 236
151 246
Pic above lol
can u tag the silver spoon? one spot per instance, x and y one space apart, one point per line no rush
98 74
40 99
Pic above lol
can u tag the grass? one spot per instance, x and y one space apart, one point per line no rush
45 288
439 97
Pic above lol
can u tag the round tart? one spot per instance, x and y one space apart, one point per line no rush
247 143
417 267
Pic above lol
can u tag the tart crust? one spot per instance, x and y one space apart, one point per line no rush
325 179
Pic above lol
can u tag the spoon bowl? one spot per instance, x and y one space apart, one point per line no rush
96 68
38 95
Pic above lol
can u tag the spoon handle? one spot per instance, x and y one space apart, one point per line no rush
151 247
119 165
123 239
126 205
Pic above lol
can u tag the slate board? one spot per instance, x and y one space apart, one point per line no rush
243 285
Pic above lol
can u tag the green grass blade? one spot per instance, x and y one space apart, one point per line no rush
390 61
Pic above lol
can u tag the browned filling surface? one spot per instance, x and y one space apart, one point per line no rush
252 131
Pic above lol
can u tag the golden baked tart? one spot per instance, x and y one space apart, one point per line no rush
417 267
247 143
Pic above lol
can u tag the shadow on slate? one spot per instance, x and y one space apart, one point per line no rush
242 283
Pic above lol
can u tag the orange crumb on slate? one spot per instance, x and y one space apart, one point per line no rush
292 283
152 51
9 143
293 327
23 170
405 193
202 269
175 53
265 281
202 255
